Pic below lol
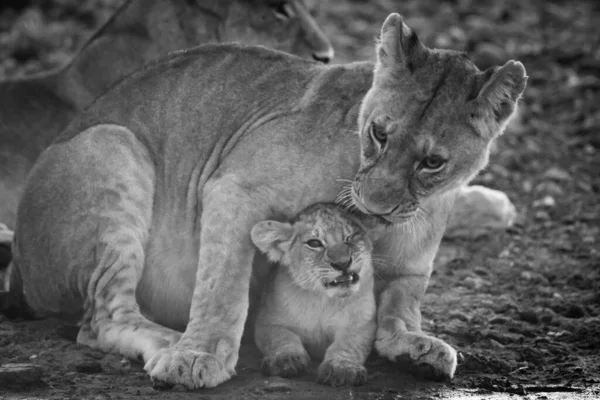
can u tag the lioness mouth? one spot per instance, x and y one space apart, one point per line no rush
343 280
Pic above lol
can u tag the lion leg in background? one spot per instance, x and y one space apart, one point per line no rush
207 353
101 184
399 336
479 210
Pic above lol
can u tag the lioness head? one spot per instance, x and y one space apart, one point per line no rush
427 122
324 249
285 25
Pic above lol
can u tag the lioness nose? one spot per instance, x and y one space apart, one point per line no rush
324 56
342 265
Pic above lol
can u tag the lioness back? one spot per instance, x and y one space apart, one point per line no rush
34 110
319 301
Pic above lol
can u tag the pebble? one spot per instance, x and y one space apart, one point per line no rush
529 316
488 54
475 282
574 311
549 188
20 374
541 215
546 201
277 387
88 367
557 174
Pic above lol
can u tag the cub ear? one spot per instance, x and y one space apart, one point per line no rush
272 238
502 90
399 45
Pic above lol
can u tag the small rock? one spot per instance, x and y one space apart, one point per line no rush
459 315
526 275
145 391
499 320
276 387
546 201
179 388
549 188
487 55
529 316
557 174
574 311
88 367
541 215
475 282
20 374
546 319
495 344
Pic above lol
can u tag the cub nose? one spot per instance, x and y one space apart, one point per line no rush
341 265
323 56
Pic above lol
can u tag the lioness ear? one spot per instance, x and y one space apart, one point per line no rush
272 238
502 90
399 45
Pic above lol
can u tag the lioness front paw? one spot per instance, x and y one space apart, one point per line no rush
340 373
286 365
192 369
423 355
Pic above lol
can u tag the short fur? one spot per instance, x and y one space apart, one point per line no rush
35 109
300 314
155 188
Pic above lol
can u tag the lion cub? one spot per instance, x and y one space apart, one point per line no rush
319 301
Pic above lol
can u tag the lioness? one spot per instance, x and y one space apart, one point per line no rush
146 202
319 298
34 110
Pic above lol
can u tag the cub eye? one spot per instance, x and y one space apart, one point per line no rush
433 163
351 237
283 10
314 243
378 133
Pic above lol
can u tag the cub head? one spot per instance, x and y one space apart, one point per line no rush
427 122
324 249
286 25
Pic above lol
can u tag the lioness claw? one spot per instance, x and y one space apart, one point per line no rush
339 373
191 369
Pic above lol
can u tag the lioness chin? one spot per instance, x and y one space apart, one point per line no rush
147 200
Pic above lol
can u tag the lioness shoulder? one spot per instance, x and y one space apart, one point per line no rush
319 302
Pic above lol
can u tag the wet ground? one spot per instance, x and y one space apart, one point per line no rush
522 307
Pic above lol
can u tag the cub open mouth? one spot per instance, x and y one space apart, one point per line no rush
343 280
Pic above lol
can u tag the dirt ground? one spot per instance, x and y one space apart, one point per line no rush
522 307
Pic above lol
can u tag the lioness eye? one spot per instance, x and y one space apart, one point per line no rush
378 133
433 162
283 10
314 243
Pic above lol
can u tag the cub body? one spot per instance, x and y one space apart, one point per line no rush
319 302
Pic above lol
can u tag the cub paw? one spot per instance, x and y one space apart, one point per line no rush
286 365
423 355
192 369
341 373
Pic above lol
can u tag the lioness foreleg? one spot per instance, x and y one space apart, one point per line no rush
399 336
207 353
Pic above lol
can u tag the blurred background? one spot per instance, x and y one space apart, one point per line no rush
522 306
